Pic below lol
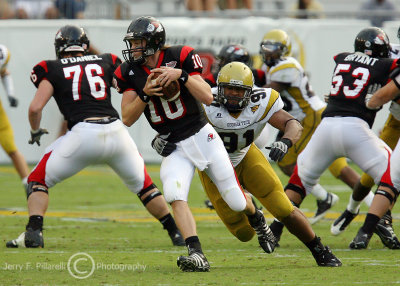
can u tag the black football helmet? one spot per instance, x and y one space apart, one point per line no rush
71 39
373 42
144 28
234 53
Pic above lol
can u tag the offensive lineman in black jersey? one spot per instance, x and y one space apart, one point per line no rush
80 84
345 127
185 139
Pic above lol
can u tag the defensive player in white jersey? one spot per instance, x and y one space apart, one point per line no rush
285 74
6 133
345 127
389 185
390 135
239 114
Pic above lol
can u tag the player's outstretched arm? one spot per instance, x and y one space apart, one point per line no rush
286 123
383 95
42 96
200 89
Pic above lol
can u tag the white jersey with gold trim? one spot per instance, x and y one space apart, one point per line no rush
238 133
300 95
4 56
394 106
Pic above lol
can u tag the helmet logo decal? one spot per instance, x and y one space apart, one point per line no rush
150 28
234 81
380 39
171 64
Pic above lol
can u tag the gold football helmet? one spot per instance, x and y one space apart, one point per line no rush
235 82
275 45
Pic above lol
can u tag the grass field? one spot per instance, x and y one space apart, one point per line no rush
93 213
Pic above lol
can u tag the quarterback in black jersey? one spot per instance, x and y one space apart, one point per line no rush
185 139
345 126
80 84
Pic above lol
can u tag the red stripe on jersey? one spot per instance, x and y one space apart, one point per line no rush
386 178
43 64
184 53
394 64
118 73
160 58
114 58
147 179
146 69
211 78
295 179
39 173
195 72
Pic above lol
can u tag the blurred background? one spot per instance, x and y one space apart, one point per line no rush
318 29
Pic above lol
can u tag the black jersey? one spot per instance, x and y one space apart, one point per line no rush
354 72
258 75
81 85
180 118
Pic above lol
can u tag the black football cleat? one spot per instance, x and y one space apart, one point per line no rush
177 238
384 230
266 238
325 258
340 224
195 262
324 206
30 239
277 228
361 240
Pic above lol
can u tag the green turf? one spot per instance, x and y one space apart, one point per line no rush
94 213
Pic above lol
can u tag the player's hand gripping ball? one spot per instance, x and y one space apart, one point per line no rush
172 91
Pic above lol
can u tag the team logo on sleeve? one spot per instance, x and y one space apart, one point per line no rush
210 137
171 64
255 108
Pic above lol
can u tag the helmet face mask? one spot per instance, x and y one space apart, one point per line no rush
275 45
373 42
235 83
71 39
150 32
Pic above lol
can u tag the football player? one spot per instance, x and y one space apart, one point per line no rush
6 133
346 122
235 53
80 83
389 185
239 113
185 139
285 74
390 135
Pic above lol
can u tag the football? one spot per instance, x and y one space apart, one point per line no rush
172 91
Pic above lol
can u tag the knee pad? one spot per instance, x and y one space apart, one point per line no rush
149 197
297 189
35 187
337 166
386 194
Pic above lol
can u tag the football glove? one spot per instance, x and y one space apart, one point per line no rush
13 101
279 149
36 134
371 90
162 146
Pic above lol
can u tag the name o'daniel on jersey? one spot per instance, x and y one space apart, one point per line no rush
80 59
361 58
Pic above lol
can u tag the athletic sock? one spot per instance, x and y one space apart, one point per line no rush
353 205
319 192
370 223
193 244
35 222
168 223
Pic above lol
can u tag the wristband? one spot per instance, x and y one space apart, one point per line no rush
184 77
287 141
143 96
